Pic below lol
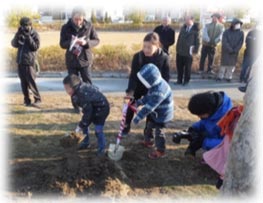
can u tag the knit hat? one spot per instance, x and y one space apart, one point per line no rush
149 75
202 103
25 21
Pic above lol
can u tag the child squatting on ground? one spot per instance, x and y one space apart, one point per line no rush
95 109
157 107
210 107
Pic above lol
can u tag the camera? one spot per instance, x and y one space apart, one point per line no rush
181 135
190 134
21 39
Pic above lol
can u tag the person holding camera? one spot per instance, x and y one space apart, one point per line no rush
26 40
210 107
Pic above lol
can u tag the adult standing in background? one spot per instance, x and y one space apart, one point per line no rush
78 36
250 54
150 53
166 34
212 35
26 40
187 44
232 42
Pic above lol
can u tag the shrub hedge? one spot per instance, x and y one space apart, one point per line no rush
106 58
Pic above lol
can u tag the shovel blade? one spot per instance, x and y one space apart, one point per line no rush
114 154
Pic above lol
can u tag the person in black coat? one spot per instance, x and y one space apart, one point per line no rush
151 53
26 40
187 45
95 109
250 54
166 34
232 42
78 36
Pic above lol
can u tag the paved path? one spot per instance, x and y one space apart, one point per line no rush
118 86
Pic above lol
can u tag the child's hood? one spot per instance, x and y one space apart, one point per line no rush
225 106
149 75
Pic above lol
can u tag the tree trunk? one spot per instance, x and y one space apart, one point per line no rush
239 177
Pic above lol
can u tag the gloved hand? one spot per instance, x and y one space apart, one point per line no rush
138 102
78 129
133 107
136 120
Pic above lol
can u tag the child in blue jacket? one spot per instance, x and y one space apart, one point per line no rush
157 107
210 107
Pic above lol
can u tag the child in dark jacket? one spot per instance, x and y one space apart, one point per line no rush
210 107
95 109
157 107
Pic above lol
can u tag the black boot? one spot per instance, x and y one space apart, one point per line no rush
189 152
219 183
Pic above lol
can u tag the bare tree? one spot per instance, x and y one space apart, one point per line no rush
240 177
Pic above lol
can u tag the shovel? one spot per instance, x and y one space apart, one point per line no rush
115 151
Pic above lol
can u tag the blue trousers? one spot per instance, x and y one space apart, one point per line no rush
100 137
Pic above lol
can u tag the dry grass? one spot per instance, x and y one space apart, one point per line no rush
35 135
106 38
114 53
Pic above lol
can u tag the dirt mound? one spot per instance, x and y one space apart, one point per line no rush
75 174
70 140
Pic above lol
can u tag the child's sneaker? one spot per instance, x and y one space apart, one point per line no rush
149 144
156 155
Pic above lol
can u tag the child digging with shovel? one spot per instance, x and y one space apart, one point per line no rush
157 107
95 109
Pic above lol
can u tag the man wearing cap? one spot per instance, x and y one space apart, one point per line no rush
78 36
166 34
212 35
26 40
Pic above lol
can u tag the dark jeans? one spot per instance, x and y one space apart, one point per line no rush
209 52
159 135
99 122
85 75
184 65
99 134
247 63
196 142
27 77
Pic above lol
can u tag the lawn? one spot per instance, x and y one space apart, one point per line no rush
40 166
